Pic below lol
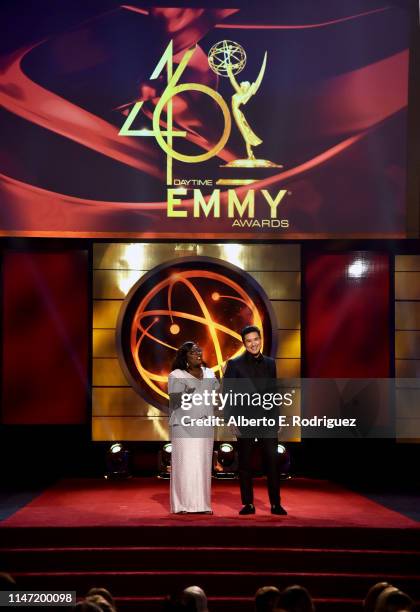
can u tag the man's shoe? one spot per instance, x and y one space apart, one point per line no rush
247 509
277 509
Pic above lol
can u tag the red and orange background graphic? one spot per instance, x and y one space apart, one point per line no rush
195 297
331 110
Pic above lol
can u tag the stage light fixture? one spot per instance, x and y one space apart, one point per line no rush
226 448
116 448
284 461
358 268
117 462
164 461
225 462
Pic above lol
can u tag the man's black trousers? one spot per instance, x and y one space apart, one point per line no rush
246 447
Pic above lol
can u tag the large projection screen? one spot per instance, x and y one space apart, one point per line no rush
277 120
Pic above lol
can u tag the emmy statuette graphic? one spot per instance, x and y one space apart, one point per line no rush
227 59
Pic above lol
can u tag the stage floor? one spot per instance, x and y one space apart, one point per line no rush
145 501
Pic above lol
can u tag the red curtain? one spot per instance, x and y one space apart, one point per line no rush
347 315
45 337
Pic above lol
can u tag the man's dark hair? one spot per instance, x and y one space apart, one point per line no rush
392 599
296 599
249 329
7 582
178 602
372 595
266 598
103 593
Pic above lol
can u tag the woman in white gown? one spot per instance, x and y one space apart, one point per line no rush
192 447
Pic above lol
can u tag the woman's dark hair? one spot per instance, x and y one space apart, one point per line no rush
180 361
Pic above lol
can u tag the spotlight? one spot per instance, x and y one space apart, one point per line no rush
225 462
284 461
117 462
358 268
226 448
164 461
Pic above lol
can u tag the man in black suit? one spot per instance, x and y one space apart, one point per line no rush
252 365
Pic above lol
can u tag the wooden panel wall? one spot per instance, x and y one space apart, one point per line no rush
407 345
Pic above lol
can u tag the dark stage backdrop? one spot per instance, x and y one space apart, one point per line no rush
320 96
347 317
45 337
45 328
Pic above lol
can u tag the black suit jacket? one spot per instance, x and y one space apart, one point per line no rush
258 379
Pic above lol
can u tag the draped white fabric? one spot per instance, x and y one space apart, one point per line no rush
191 462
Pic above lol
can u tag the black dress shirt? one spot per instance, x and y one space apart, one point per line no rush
248 366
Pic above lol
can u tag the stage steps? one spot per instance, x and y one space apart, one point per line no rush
236 583
141 565
189 558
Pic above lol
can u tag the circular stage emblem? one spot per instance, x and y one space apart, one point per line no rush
195 298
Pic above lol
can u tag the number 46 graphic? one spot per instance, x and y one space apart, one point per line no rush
172 89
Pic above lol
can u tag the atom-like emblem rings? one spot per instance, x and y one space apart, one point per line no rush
224 53
200 299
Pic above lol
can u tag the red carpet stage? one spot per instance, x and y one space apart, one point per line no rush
337 543
144 501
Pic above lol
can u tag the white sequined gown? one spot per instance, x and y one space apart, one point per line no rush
192 448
